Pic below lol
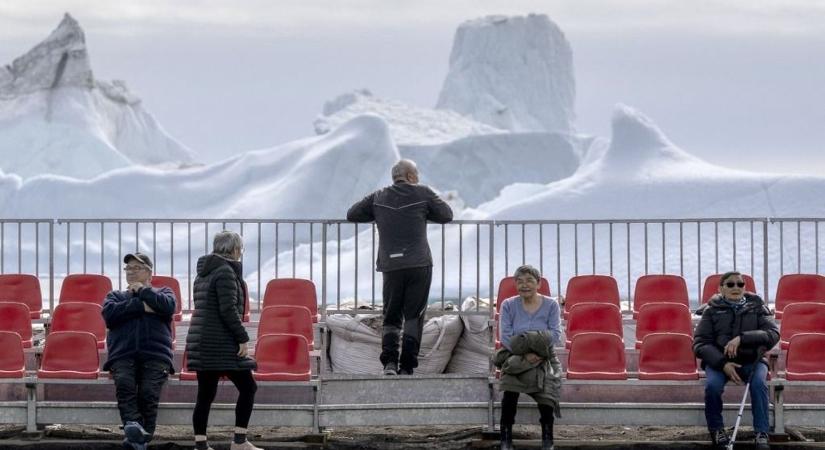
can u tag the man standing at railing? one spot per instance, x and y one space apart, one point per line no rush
401 212
139 344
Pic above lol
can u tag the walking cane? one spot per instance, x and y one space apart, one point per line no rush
744 398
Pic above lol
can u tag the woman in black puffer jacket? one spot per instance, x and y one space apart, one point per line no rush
216 344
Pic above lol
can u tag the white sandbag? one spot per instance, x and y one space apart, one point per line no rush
472 353
355 343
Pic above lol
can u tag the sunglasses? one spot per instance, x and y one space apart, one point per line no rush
731 284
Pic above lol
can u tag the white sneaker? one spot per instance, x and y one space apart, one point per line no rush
245 446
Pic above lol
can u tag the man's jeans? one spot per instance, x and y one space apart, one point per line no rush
405 302
715 386
137 386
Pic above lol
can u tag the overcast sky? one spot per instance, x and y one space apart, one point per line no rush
736 82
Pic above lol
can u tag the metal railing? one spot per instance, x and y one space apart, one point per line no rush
470 257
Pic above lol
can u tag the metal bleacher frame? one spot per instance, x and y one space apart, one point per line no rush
364 400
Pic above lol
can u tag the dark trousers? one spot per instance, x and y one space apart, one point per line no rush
138 385
208 387
405 302
509 406
760 404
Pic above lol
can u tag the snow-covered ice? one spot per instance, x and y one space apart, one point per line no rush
56 118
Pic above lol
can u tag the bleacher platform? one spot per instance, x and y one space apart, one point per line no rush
632 367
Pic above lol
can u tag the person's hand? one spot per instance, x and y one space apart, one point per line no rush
242 350
148 308
732 347
135 287
533 358
730 371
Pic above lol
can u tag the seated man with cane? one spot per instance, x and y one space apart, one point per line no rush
736 326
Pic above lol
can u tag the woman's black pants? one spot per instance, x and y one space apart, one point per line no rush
509 406
208 387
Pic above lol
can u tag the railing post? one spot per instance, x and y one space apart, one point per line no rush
493 307
766 275
51 265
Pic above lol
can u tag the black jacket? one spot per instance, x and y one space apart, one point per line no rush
134 332
217 329
401 212
720 323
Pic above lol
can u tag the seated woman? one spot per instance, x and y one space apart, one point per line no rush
530 325
735 330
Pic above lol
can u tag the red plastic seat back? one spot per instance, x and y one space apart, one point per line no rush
70 354
796 288
711 286
286 319
596 356
663 318
658 289
86 288
15 317
591 289
76 316
12 360
507 288
589 317
667 356
172 283
282 357
292 291
802 318
22 288
806 358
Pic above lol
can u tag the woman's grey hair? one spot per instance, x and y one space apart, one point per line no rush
226 242
727 275
527 269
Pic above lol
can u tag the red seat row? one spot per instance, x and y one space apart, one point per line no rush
669 356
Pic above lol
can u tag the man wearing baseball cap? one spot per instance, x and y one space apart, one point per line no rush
139 345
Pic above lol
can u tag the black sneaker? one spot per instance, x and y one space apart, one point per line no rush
761 441
720 439
404 371
391 368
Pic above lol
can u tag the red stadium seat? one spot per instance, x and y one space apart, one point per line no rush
85 287
591 289
70 354
596 356
796 288
667 356
801 318
22 288
507 289
292 291
806 358
12 361
282 357
712 286
185 374
286 319
588 317
15 317
76 316
663 318
173 284
658 289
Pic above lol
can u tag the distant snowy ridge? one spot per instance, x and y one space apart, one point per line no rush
514 73
309 178
56 118
408 124
643 175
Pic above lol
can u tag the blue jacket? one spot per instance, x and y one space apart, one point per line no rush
134 332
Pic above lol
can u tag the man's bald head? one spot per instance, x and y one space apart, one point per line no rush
405 170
